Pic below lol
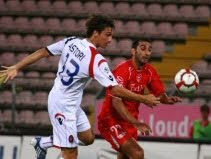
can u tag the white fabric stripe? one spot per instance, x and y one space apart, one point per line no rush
115 142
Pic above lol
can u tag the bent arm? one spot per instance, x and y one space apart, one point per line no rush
127 116
32 58
123 112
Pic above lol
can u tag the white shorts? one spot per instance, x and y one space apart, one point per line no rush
67 121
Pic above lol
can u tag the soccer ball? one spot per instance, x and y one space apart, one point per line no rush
186 81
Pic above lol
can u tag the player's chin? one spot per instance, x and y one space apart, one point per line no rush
104 45
145 61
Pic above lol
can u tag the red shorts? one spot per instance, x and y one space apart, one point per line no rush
116 133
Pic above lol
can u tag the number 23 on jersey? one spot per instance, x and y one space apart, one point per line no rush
69 72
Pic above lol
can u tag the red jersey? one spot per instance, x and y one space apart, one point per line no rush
135 80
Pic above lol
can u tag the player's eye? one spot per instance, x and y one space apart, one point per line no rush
143 47
108 34
150 49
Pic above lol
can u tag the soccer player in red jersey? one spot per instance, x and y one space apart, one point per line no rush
118 121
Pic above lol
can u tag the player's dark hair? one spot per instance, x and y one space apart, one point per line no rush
136 43
98 23
205 108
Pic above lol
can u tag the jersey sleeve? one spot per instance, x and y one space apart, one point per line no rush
56 48
102 72
121 75
156 86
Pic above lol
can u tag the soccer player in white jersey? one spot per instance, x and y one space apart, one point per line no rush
79 62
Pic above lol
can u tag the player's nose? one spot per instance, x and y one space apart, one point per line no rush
109 39
147 53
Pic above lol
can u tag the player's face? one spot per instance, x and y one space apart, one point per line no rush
143 52
204 115
104 37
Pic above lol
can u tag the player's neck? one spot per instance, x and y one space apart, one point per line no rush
93 41
137 64
205 122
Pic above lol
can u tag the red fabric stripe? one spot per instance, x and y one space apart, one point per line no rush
196 84
58 147
59 114
187 70
178 85
101 61
91 64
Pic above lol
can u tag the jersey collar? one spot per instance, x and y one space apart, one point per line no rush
134 68
205 123
89 43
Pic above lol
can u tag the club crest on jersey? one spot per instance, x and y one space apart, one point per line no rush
60 118
138 78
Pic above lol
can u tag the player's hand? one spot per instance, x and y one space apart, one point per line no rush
143 128
171 100
151 101
8 73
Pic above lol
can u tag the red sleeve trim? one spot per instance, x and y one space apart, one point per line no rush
101 61
91 64
58 147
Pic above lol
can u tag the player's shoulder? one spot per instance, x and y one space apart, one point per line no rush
70 38
89 46
150 67
197 122
123 66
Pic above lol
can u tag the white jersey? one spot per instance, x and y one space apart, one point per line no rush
79 62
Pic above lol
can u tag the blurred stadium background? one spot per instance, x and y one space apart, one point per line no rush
180 31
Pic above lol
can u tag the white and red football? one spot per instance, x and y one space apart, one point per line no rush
186 81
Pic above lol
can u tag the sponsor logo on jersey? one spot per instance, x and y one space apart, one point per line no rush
60 118
136 88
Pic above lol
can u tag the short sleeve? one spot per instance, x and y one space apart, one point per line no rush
103 74
56 48
156 86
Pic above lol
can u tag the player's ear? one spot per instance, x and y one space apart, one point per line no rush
95 33
133 51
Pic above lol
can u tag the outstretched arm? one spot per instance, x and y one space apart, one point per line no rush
127 116
12 71
124 93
